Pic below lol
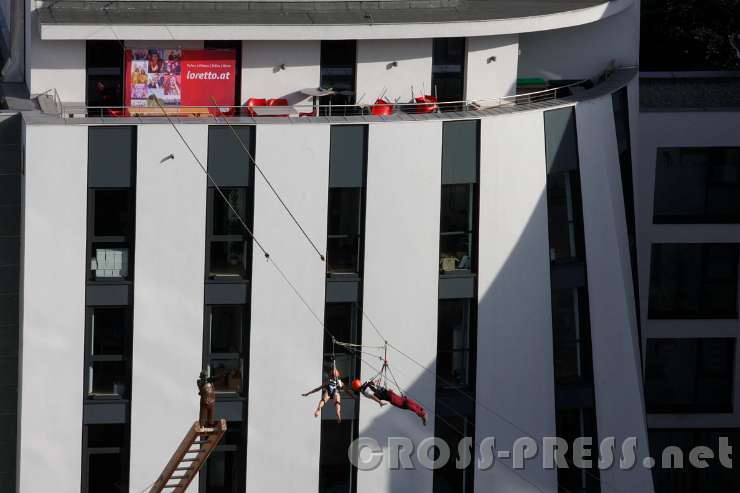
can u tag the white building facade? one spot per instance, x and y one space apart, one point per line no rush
486 233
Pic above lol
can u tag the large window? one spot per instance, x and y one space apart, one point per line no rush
224 472
565 224
335 470
108 336
697 185
457 228
693 280
455 336
226 349
343 320
104 64
448 69
110 224
689 375
105 458
448 478
228 257
344 240
572 424
338 65
572 336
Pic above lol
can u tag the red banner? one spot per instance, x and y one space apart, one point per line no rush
176 77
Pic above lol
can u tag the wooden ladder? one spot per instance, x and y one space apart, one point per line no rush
189 458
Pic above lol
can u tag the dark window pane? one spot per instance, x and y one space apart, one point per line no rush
338 64
456 227
448 478
697 185
110 261
225 221
344 230
227 323
108 378
453 342
693 280
110 327
221 472
340 319
448 68
104 60
105 473
228 259
107 436
112 212
689 375
562 216
335 470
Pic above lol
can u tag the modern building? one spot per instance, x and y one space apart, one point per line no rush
472 171
688 220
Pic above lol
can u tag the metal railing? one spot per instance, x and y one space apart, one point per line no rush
423 105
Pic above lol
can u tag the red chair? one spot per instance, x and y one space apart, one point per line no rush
381 107
251 102
278 102
429 107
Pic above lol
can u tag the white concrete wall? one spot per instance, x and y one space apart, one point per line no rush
375 76
262 77
494 78
683 129
56 65
53 306
515 384
286 341
620 410
400 285
168 295
581 52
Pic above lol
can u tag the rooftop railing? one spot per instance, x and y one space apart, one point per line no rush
424 104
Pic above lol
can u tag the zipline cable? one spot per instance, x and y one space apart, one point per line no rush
269 184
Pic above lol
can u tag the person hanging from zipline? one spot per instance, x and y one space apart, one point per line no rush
331 389
376 392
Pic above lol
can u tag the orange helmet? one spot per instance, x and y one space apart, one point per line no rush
356 385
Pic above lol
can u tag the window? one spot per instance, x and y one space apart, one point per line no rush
571 335
455 334
693 280
457 228
689 375
448 69
571 424
335 470
345 230
104 62
224 471
688 479
338 65
228 255
697 185
108 364
105 458
227 341
342 320
110 223
564 205
448 478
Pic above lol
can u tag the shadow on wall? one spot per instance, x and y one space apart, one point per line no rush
527 368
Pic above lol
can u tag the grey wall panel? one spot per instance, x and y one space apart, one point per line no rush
342 292
110 295
347 155
561 142
226 294
228 163
456 287
229 410
460 152
104 413
111 156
